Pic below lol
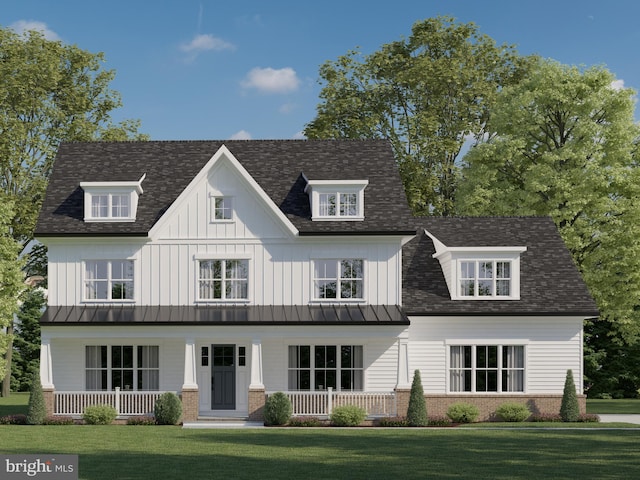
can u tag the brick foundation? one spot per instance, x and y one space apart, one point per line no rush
257 398
49 400
190 409
402 401
437 405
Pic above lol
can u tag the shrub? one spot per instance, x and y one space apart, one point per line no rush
277 409
462 412
569 408
513 412
141 420
393 422
439 421
58 421
168 409
417 410
99 414
546 417
348 416
588 418
37 409
305 422
17 419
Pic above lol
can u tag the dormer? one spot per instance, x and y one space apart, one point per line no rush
111 201
333 200
480 272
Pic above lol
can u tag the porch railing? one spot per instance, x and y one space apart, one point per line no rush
376 404
126 402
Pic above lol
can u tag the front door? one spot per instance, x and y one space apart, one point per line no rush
223 377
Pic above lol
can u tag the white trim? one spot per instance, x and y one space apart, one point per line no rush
315 188
239 301
480 250
222 256
315 300
222 152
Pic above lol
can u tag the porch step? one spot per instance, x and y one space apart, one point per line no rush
209 422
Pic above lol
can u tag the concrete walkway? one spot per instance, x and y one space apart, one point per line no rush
223 424
622 418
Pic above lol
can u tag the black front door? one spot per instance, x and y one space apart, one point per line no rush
223 377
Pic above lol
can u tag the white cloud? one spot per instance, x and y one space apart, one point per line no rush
22 26
617 84
204 43
299 136
271 80
241 135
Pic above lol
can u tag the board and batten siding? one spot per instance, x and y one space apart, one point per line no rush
553 345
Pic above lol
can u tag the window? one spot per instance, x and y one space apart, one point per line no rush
223 280
242 356
204 356
486 368
338 279
338 204
322 366
111 206
222 209
108 280
485 278
125 366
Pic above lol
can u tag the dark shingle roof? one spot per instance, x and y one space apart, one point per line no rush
277 166
549 280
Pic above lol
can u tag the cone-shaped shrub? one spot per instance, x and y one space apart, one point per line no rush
417 411
37 410
569 408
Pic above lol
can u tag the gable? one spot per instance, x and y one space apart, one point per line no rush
250 213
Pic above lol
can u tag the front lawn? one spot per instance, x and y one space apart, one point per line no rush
624 405
138 452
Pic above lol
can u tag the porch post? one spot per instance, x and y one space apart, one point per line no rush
403 387
257 395
190 407
46 376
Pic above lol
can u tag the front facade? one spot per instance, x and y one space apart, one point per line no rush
224 271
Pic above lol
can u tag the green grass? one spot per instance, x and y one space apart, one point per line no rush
127 452
625 405
14 404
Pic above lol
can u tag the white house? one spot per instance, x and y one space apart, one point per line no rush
226 270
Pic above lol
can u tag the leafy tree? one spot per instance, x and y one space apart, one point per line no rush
417 410
569 408
49 92
563 143
10 282
26 344
427 94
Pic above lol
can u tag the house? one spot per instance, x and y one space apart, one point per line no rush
228 270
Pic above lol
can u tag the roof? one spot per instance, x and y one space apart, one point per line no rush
225 315
550 283
278 166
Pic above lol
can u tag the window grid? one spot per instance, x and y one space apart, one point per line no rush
223 280
318 367
339 279
338 204
125 366
222 208
110 280
486 368
485 278
111 205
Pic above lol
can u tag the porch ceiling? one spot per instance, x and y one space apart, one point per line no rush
225 315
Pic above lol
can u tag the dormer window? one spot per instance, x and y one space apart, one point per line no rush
485 278
336 199
111 201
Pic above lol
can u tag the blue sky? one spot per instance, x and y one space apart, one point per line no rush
211 69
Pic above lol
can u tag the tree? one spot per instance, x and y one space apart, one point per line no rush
563 143
417 410
49 93
427 94
569 408
10 282
36 410
26 344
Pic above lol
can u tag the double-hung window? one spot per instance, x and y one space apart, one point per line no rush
128 367
223 279
110 206
485 278
338 279
110 280
338 204
486 368
319 367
